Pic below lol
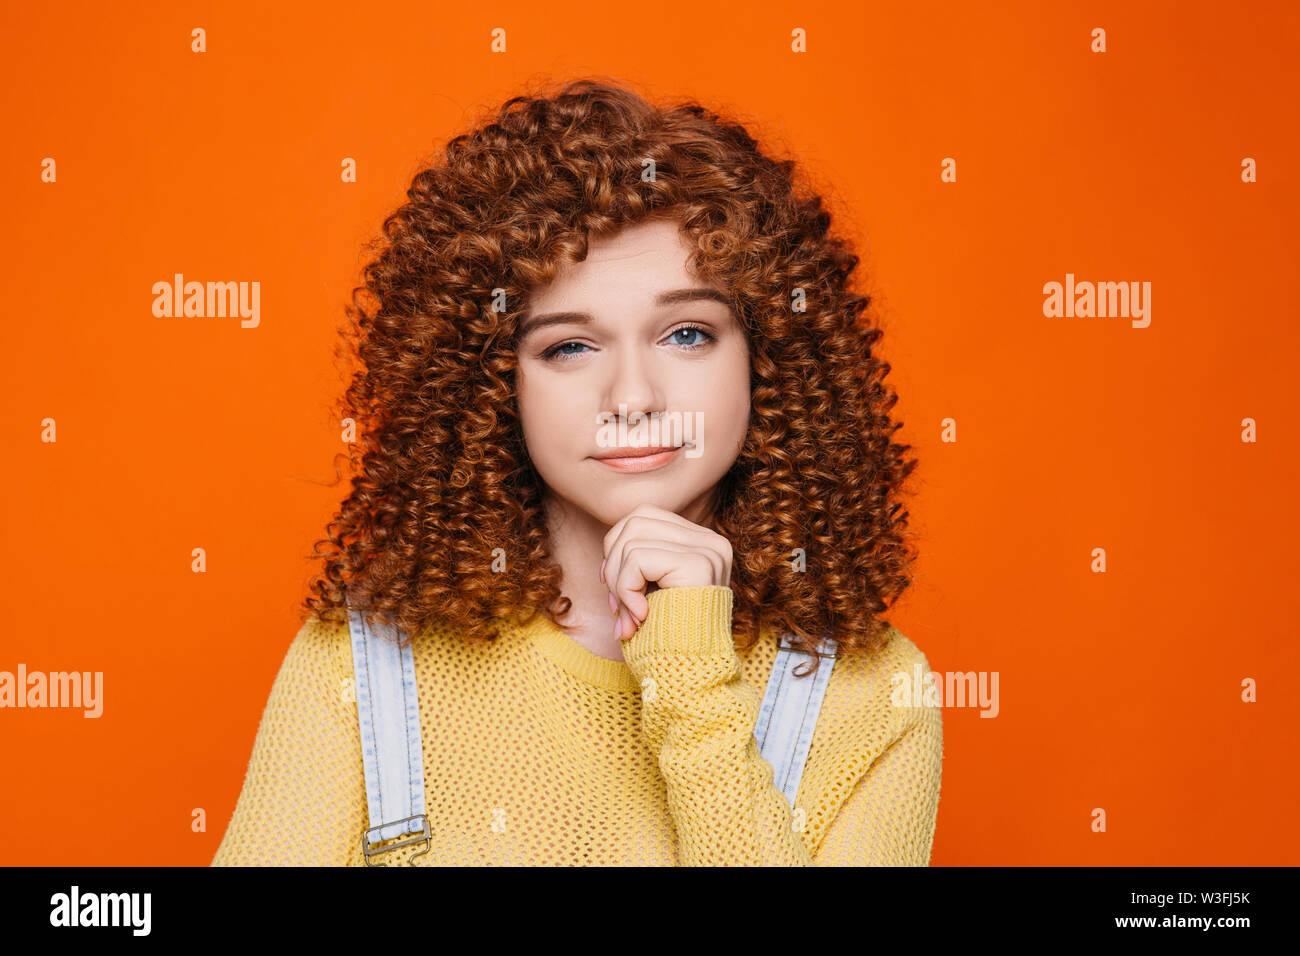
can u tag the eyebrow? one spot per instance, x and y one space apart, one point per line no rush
535 322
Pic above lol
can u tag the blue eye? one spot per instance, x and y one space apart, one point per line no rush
557 353
554 350
692 328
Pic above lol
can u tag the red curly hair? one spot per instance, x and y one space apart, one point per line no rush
444 495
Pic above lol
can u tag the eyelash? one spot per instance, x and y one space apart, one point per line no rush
553 353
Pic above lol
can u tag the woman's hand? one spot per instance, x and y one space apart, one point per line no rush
652 546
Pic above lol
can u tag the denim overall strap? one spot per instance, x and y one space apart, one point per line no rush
388 713
788 715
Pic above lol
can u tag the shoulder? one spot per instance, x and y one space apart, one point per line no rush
881 694
870 738
317 636
897 650
897 656
320 650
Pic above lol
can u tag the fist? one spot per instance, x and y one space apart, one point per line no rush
653 548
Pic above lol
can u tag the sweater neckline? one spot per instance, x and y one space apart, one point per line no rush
575 659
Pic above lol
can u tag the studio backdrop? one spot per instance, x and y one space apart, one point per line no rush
1076 222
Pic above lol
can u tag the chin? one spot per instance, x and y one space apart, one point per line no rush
615 508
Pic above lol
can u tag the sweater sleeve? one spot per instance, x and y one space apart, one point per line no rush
304 784
698 715
889 817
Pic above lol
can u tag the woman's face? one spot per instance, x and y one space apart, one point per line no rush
630 338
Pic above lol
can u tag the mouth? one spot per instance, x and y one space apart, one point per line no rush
630 460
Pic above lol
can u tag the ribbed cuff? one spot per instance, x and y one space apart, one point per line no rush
684 622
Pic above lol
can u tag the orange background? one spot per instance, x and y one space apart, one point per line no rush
1118 690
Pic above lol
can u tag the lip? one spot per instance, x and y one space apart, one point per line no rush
631 460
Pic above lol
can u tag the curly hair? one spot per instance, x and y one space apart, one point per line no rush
444 497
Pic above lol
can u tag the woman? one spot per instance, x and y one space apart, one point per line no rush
621 431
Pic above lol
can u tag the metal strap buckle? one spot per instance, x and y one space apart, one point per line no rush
834 652
423 834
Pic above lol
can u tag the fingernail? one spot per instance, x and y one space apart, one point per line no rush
602 570
618 626
613 604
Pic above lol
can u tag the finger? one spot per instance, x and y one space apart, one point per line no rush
637 606
645 563
715 549
646 511
644 527
671 568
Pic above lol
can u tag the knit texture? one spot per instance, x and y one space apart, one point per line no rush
539 752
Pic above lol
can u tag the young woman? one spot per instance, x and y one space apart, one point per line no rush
594 605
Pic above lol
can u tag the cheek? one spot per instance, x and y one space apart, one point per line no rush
727 402
551 413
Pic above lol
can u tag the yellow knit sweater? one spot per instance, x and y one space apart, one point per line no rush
539 752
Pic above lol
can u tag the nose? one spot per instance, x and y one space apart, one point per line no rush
634 382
